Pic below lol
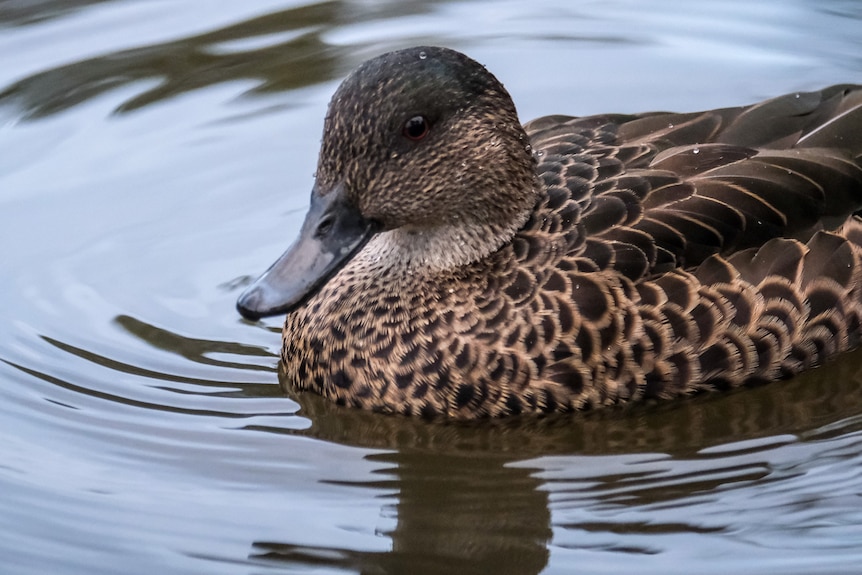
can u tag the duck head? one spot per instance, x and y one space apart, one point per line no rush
421 141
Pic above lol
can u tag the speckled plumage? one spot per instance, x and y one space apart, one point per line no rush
579 262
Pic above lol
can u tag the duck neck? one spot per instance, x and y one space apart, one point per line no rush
460 241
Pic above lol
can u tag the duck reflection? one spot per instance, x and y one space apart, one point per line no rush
483 517
471 497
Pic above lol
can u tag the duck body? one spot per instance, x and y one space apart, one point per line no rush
456 263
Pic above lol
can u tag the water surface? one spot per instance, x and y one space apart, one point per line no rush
156 155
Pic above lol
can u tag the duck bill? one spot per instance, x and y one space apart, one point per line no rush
332 233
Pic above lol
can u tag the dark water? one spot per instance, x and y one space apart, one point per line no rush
154 155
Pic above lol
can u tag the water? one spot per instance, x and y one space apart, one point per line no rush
155 155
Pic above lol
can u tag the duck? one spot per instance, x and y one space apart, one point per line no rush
457 263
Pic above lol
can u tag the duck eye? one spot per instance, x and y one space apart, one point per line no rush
415 128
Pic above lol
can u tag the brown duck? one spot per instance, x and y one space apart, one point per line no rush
454 262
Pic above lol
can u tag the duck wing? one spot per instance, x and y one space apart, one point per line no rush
658 191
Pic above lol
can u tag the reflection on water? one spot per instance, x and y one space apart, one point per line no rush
279 51
192 63
23 12
484 517
144 426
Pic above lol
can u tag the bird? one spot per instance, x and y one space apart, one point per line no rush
456 263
